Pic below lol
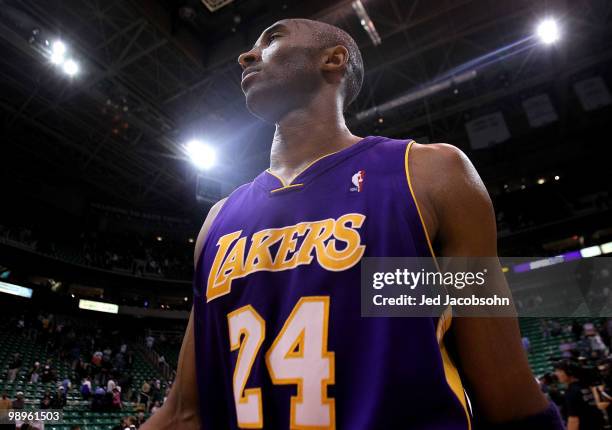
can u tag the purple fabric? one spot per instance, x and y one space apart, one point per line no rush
388 371
549 419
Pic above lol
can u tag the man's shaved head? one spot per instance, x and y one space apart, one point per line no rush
326 36
296 60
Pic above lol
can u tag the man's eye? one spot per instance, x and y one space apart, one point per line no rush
273 36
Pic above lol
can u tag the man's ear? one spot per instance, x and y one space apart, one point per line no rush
335 59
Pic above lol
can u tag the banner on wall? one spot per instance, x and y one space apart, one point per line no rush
487 130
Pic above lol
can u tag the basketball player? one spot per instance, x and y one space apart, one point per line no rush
276 339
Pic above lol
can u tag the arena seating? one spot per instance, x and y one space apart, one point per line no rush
76 411
542 347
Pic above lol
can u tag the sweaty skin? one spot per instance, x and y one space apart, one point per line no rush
309 124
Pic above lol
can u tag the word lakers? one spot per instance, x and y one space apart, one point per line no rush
294 247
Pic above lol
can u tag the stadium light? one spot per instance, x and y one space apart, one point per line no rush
202 155
548 31
58 57
591 251
58 50
70 67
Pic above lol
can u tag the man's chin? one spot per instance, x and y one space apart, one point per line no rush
263 107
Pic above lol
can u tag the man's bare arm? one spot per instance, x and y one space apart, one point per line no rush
180 410
460 219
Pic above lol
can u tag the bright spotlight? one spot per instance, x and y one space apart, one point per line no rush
548 31
203 156
71 67
58 50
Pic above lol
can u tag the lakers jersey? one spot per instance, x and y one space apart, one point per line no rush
280 343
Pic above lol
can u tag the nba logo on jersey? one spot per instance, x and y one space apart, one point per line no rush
358 181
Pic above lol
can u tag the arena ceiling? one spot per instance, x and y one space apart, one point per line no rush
155 73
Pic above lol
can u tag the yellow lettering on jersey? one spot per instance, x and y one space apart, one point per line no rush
232 266
335 260
318 233
259 257
232 261
288 244
212 290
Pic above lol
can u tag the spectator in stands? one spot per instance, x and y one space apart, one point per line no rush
107 353
545 328
140 418
97 403
45 402
125 381
5 402
46 322
119 361
155 407
35 373
526 344
130 422
110 385
116 402
580 407
48 375
59 399
81 368
96 358
145 394
154 393
75 427
14 366
20 325
122 424
19 403
597 347
555 328
86 388
66 384
149 341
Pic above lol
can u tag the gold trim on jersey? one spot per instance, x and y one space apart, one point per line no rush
287 187
453 379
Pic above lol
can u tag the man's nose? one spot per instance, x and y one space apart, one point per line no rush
247 58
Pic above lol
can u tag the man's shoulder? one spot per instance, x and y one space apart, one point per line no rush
439 155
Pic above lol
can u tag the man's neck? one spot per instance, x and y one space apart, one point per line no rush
305 135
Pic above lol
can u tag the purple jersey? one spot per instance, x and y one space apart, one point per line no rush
280 342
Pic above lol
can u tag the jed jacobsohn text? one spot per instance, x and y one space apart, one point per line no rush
442 299
413 279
